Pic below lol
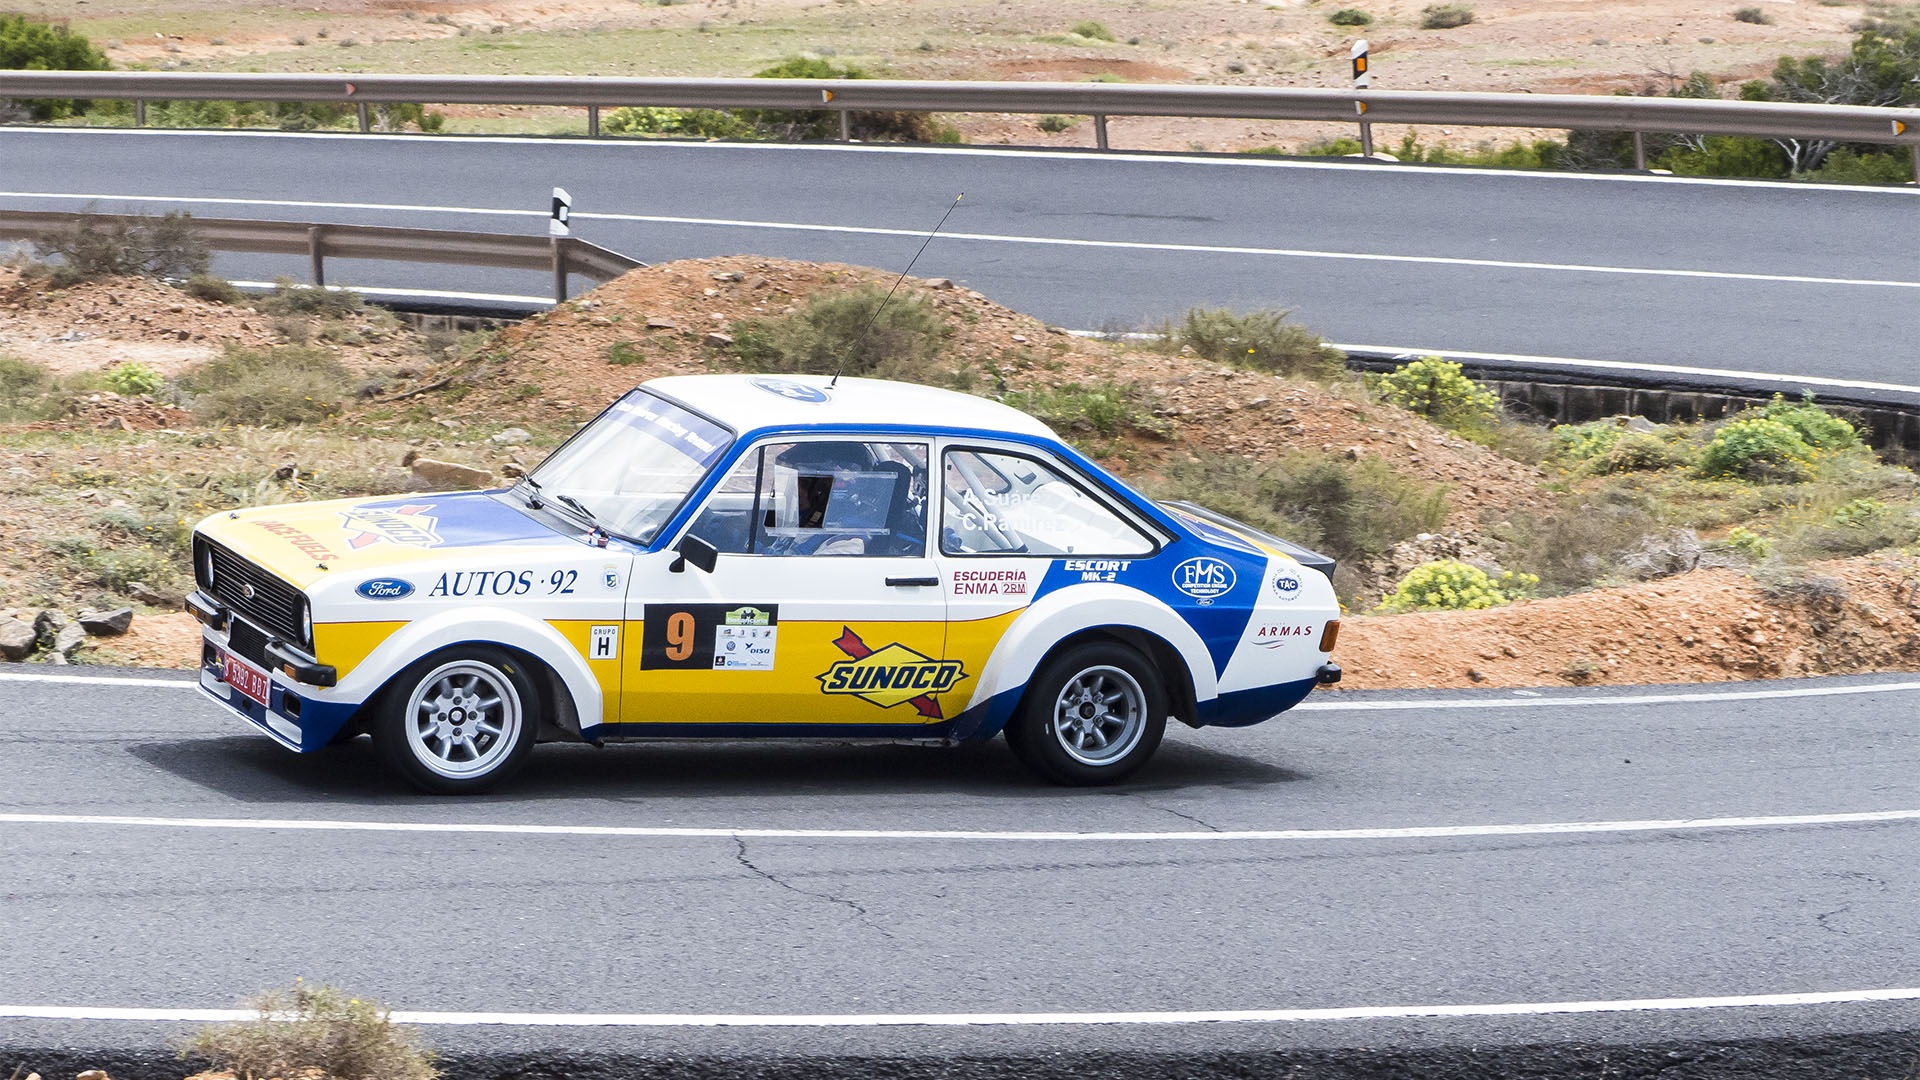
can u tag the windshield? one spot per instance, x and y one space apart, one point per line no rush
634 466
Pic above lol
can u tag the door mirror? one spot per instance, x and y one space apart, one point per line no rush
692 549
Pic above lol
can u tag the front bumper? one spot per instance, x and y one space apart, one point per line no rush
297 714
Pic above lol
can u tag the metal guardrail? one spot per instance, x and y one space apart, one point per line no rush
563 255
1639 115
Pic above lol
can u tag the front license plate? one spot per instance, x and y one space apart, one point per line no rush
244 677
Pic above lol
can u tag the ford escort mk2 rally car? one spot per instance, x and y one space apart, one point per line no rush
731 555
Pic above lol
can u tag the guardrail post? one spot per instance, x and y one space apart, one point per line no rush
559 269
1916 163
593 121
846 127
360 109
1640 151
139 112
1099 131
316 254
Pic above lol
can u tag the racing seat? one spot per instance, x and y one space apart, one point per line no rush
905 535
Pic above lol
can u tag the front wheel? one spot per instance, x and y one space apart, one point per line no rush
1093 715
459 722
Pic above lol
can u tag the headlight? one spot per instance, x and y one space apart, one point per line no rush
206 566
306 622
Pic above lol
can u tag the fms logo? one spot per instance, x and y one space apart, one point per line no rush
891 675
1203 578
409 525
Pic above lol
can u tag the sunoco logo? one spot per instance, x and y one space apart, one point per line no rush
409 525
891 675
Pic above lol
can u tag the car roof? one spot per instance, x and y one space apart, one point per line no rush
749 402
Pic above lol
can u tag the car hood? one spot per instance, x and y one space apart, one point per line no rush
303 542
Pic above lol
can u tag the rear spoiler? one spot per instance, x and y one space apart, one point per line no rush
1303 556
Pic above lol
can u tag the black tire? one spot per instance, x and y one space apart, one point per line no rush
1093 715
459 721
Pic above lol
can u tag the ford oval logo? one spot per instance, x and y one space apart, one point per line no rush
792 391
385 588
1203 578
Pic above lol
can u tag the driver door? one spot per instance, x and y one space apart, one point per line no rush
824 610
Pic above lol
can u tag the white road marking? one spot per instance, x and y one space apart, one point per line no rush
1032 241
95 680
1092 157
1007 1019
1324 705
1413 832
418 294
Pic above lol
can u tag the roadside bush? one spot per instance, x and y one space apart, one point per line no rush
1746 542
822 124
1724 155
1092 29
1585 444
1349 510
688 123
1758 449
1436 389
1753 15
289 297
292 384
1855 528
208 287
1109 409
1445 16
30 45
1344 146
133 378
1262 340
1053 125
27 391
624 353
1578 546
838 331
1350 17
114 566
1641 451
1848 166
314 1028
167 246
1451 585
1816 426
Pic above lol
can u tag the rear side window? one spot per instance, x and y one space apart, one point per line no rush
1007 504
821 498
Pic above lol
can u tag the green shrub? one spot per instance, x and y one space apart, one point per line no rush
1855 528
1262 340
1347 509
1637 451
1092 29
1055 124
1848 166
838 332
1816 426
30 45
1445 16
1451 585
690 123
1579 545
289 297
292 384
1725 155
1344 146
1109 409
1436 389
1857 513
314 1029
624 353
167 246
1585 444
1350 17
823 124
1745 541
1753 15
133 378
27 391
208 287
1757 449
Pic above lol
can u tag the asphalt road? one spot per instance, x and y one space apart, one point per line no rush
740 924
1796 279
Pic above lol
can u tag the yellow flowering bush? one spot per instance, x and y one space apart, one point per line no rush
1436 389
1451 585
1758 449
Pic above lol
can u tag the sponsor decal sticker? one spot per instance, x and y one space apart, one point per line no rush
989 583
385 588
709 637
890 675
1097 569
1273 637
1286 584
745 640
792 391
302 542
410 526
1203 578
610 576
603 643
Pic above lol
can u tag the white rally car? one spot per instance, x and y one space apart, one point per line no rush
730 555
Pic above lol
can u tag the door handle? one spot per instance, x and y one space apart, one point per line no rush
913 581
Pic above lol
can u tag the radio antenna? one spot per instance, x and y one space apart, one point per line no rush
831 383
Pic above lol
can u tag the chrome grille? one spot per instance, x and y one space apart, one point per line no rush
251 591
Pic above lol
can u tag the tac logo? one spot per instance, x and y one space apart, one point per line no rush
891 675
1203 578
1287 584
792 391
409 525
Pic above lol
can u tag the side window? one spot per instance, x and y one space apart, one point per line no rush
821 498
997 504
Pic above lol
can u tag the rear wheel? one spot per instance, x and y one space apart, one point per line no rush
460 721
1093 715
